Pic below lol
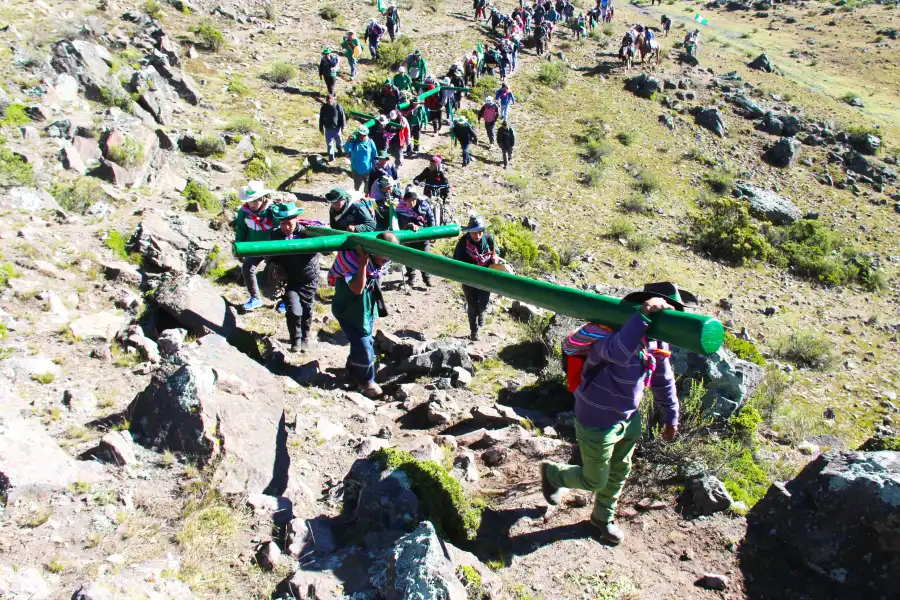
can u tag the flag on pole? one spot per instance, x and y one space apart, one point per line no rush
480 49
697 18
381 7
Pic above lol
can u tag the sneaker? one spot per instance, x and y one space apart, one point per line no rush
609 532
281 308
552 494
252 304
371 390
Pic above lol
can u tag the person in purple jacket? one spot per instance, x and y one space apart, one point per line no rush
618 366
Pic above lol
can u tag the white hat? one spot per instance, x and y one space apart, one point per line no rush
254 190
489 100
401 70
382 119
394 114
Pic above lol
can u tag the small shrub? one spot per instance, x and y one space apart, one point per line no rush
392 54
259 167
744 349
15 115
608 30
770 395
620 227
638 241
593 176
281 72
881 443
14 170
329 12
726 231
743 426
210 145
270 10
553 74
209 37
77 197
745 480
129 155
153 8
596 149
515 242
484 87
636 203
196 192
237 87
805 348
116 242
115 97
626 138
720 181
441 497
56 565
649 180
849 97
244 125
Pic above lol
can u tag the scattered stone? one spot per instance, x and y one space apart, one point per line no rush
766 204
23 584
713 581
102 325
643 85
329 430
709 494
465 467
494 456
268 555
171 341
27 199
784 152
808 448
762 63
118 448
711 119
730 381
121 272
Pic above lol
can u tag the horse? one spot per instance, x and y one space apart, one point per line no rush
626 55
650 47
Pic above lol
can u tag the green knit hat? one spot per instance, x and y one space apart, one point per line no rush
336 195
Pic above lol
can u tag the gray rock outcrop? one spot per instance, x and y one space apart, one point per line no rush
766 204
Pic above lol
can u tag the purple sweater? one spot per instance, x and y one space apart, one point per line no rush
614 394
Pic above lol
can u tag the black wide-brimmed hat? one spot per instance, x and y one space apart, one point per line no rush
666 290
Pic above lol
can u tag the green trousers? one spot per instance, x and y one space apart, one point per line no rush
606 456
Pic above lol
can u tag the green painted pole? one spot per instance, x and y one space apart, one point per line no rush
371 118
699 333
325 239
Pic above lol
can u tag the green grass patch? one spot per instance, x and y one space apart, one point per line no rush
649 180
244 125
14 170
198 194
553 74
281 72
81 194
210 145
627 138
636 203
485 87
209 37
111 96
329 12
521 248
442 498
129 154
744 349
238 87
15 115
43 378
806 348
392 54
745 480
153 8
725 230
719 181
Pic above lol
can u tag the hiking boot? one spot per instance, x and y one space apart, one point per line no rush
609 532
252 304
473 336
371 390
552 494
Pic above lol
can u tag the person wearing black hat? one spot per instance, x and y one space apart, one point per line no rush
301 272
413 213
476 247
347 215
613 369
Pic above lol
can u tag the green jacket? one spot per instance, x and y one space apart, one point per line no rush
253 227
412 62
418 117
347 45
403 81
357 310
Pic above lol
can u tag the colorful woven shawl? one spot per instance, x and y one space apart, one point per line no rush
405 210
481 254
347 264
261 223
579 344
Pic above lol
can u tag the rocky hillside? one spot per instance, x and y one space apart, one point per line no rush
156 442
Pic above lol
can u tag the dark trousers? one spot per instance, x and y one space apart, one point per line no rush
397 153
329 84
410 272
477 302
434 116
466 157
392 31
298 299
360 180
489 128
415 131
507 156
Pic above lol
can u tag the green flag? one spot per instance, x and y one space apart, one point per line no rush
480 50
700 19
381 7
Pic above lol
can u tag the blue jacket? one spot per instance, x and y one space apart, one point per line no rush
504 98
362 155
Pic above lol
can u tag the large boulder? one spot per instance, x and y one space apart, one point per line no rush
178 243
729 381
761 63
222 408
643 85
85 61
27 199
418 567
766 204
784 152
31 462
711 118
745 106
183 85
196 304
838 518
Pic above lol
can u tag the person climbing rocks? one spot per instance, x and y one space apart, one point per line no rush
491 114
506 139
505 98
332 121
476 247
609 371
464 134
356 277
413 213
433 179
253 223
402 80
347 215
328 69
418 119
383 193
362 153
416 67
301 273
392 20
373 35
352 52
